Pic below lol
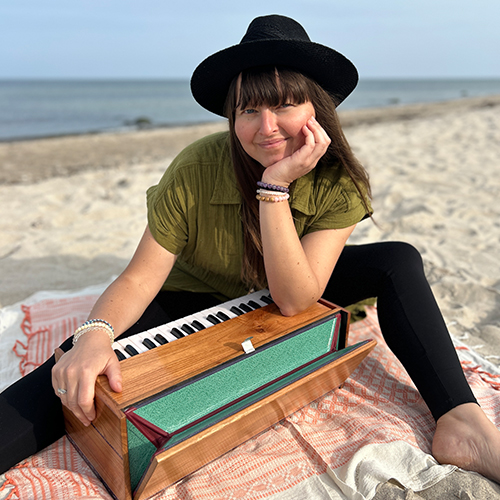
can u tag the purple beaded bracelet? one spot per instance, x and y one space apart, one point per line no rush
272 187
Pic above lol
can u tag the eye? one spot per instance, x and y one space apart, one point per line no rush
247 111
287 105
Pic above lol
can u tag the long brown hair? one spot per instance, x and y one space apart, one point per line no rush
271 86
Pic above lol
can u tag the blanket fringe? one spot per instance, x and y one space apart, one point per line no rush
483 374
14 491
20 349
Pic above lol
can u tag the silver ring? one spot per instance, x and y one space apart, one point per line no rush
62 391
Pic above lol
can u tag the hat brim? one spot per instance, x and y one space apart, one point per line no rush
330 69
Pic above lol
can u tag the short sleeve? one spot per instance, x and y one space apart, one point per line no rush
166 217
170 203
333 202
345 207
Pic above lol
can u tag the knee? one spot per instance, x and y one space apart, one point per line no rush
404 252
402 257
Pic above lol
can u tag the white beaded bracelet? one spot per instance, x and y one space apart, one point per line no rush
266 192
94 324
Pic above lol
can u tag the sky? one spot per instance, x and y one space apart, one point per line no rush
168 39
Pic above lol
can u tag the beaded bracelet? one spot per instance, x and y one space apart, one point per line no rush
273 187
275 198
94 324
267 192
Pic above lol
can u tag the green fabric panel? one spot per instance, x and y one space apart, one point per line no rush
207 394
140 452
272 388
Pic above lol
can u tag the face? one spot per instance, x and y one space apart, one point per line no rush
271 134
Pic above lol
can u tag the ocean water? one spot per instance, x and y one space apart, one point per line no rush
30 109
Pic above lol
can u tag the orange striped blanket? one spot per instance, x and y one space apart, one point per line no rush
318 452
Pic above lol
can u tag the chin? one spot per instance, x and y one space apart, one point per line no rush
267 162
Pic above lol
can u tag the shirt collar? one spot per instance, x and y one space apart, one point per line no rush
226 191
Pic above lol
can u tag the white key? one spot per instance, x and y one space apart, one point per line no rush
201 316
163 330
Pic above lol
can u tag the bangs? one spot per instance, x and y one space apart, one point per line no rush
273 87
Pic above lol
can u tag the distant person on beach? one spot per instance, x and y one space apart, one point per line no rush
271 203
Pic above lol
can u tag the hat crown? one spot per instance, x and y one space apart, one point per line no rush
272 40
274 27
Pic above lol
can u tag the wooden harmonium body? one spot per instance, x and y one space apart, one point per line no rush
187 402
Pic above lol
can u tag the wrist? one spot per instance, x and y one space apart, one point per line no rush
94 325
271 192
91 334
268 179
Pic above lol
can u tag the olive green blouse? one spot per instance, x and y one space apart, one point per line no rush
194 212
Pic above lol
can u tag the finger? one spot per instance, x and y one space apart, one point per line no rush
308 132
321 138
114 373
58 384
303 154
77 405
85 399
314 142
320 135
314 147
85 408
65 381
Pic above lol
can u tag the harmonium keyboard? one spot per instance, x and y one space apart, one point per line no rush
196 388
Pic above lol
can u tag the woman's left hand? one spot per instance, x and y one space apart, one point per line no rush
302 161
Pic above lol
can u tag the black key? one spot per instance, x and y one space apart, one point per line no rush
198 325
187 329
236 311
222 316
119 355
213 319
131 350
177 333
245 307
161 339
253 304
267 299
149 343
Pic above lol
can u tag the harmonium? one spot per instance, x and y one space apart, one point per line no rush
197 387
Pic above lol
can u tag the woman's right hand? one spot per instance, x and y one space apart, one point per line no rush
122 304
77 371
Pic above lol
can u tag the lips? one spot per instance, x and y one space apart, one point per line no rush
272 143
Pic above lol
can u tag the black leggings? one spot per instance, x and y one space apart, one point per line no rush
412 325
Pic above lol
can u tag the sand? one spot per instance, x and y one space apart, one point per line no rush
73 210
436 185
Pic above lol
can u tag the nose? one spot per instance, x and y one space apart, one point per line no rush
268 122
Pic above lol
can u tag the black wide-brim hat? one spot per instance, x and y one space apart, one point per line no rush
278 41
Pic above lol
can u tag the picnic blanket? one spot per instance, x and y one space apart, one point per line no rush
342 446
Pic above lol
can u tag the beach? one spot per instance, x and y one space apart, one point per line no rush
73 210
74 207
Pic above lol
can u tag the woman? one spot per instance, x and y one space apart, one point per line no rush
211 237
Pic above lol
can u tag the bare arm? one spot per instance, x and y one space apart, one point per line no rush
121 305
127 297
297 270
